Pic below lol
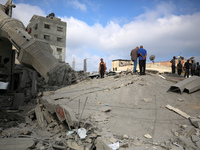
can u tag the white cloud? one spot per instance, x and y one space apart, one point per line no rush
160 32
24 12
77 5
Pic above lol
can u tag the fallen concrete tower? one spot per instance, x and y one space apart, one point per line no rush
190 85
32 52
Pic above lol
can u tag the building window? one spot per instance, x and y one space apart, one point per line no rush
59 50
47 37
35 35
47 26
116 69
59 39
36 26
60 29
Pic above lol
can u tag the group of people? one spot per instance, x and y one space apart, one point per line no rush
142 54
194 67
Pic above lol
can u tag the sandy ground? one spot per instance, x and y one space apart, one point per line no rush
137 105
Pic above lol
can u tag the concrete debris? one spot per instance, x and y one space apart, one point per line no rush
195 121
147 99
16 143
179 99
148 136
178 111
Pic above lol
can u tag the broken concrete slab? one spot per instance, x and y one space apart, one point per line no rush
65 113
195 121
195 138
16 143
183 114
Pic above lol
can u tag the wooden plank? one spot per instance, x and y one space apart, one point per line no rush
183 114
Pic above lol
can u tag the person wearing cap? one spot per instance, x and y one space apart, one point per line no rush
102 68
134 56
142 59
173 64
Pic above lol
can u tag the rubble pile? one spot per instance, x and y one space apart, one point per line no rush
32 83
43 130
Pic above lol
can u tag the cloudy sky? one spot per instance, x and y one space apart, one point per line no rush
112 28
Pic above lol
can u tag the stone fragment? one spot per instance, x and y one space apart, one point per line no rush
28 120
88 140
148 136
180 99
105 109
186 142
112 140
195 121
22 125
195 138
125 136
137 143
102 144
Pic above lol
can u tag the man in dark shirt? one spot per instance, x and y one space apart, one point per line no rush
173 64
142 59
187 67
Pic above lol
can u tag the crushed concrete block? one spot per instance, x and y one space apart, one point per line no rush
102 144
186 142
189 131
195 122
195 138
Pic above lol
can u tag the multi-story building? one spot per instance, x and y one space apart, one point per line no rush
52 30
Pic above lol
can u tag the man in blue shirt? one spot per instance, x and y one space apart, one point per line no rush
142 59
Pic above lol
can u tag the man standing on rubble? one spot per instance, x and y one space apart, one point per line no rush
142 59
102 68
187 67
134 56
193 67
173 64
